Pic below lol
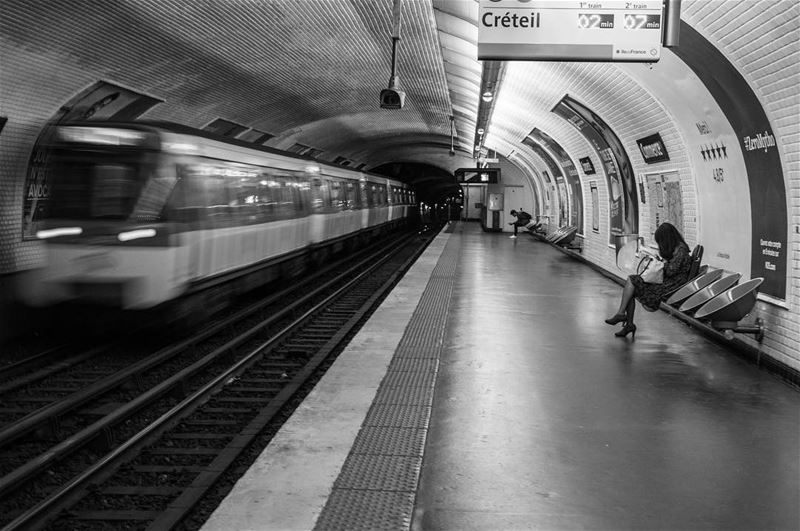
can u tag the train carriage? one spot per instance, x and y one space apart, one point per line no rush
144 214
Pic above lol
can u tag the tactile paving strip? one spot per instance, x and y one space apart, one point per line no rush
421 396
380 440
378 482
380 472
367 510
398 416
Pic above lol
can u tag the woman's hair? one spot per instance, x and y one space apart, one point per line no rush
668 238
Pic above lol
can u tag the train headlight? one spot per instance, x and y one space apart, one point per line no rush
136 234
60 231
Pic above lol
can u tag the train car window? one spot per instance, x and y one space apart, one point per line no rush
298 202
187 203
267 197
351 195
378 193
320 196
93 187
285 196
245 200
115 190
219 211
150 206
338 196
302 197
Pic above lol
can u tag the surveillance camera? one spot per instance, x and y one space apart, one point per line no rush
392 98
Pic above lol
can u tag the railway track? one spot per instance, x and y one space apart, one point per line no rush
195 419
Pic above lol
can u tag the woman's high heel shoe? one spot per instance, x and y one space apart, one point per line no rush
616 319
627 329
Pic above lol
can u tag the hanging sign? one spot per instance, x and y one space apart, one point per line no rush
568 30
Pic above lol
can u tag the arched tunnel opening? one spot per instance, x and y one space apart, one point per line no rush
432 184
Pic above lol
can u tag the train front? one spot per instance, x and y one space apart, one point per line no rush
107 243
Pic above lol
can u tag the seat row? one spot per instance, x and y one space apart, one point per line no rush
712 295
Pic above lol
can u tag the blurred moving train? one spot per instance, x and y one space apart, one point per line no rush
146 215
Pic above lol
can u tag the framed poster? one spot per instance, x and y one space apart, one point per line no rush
666 201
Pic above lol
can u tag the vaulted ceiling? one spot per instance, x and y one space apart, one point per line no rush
310 71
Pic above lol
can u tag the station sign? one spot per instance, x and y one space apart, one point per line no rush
652 149
478 175
570 30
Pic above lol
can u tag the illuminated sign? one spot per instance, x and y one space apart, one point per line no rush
478 175
653 149
569 30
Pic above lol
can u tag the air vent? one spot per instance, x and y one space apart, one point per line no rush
224 128
255 136
302 149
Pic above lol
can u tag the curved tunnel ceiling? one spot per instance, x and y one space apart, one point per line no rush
310 72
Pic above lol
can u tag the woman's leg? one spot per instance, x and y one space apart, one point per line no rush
627 298
631 309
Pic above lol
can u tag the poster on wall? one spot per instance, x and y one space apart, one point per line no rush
623 200
101 101
563 204
666 202
743 109
573 181
595 207
544 155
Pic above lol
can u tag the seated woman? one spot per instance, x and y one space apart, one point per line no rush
674 251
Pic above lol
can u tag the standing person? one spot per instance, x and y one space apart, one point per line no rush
675 253
523 218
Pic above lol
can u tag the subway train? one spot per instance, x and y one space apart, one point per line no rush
152 215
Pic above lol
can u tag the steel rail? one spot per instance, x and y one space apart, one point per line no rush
76 441
45 414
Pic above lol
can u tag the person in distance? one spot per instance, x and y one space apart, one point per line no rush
523 218
675 254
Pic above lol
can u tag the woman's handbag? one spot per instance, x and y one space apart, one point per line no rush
651 270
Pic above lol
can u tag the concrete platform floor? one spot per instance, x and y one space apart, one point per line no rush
542 419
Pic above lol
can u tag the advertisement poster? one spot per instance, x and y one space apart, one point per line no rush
554 168
563 204
769 217
573 181
623 197
666 202
595 206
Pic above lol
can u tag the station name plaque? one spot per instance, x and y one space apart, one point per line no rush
569 30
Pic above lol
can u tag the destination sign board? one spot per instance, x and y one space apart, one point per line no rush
570 30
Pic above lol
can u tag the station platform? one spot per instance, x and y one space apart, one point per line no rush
487 393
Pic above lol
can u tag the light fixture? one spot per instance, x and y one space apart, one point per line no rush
480 131
487 96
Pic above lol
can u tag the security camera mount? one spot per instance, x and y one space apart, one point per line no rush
393 97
